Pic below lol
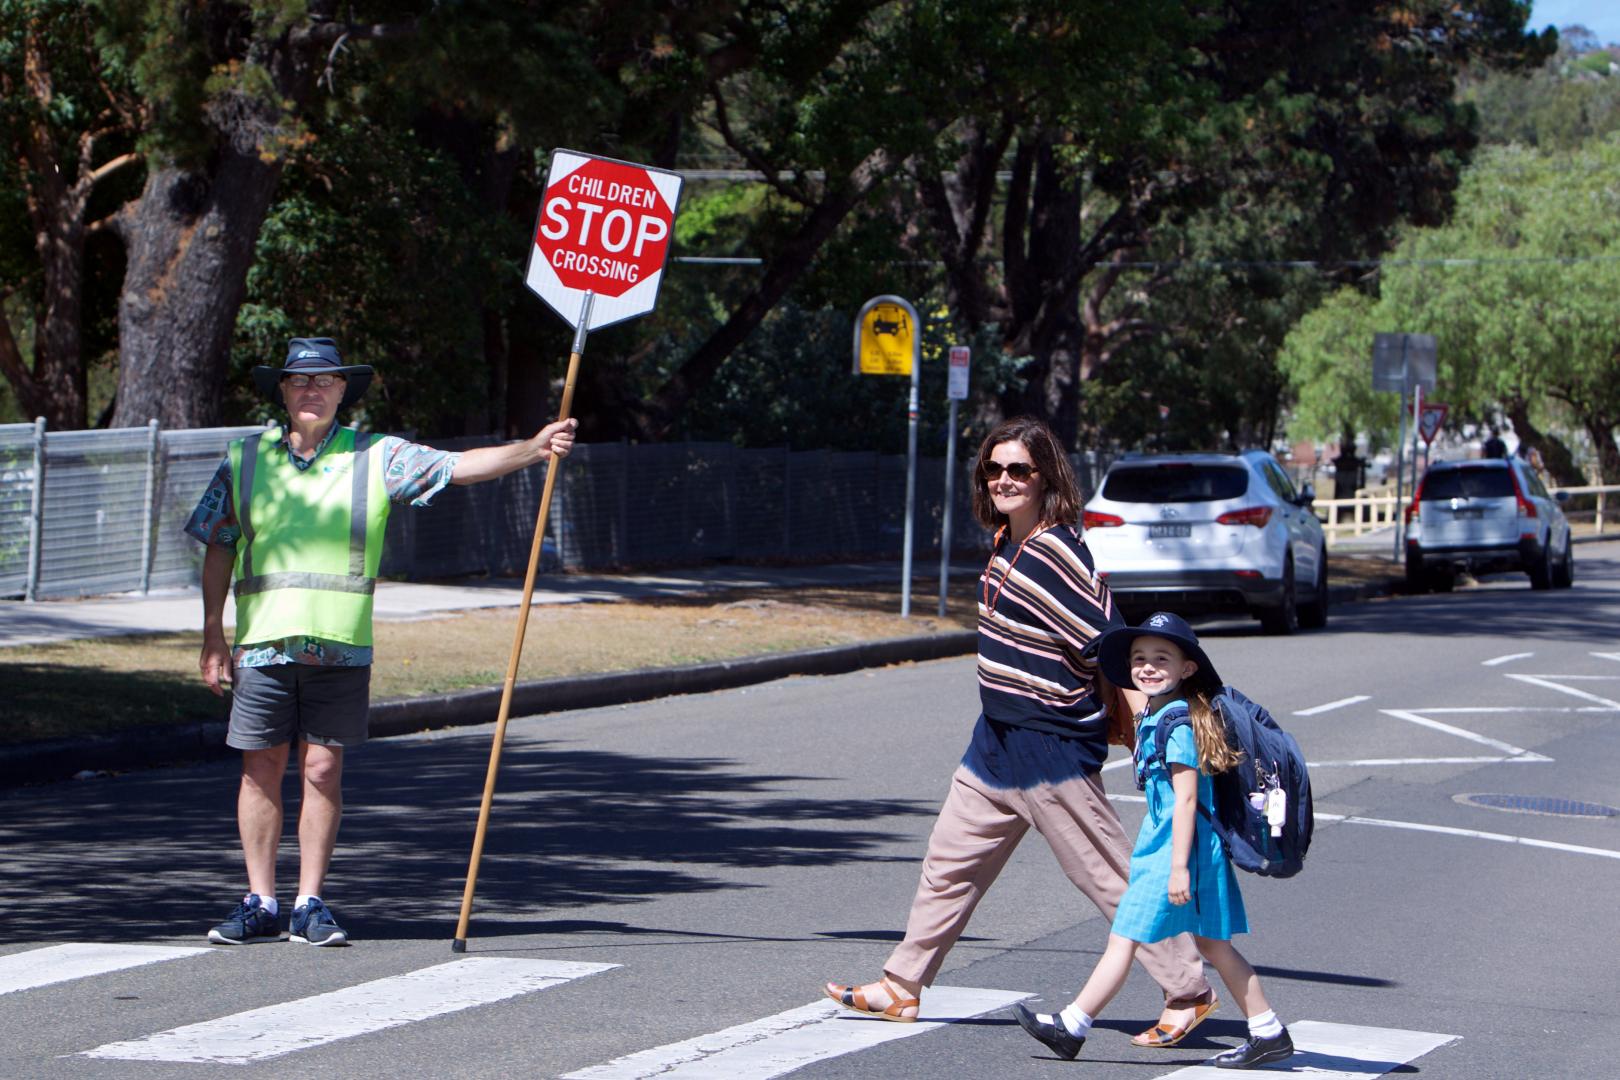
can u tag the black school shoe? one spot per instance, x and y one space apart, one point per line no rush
1256 1052
1054 1035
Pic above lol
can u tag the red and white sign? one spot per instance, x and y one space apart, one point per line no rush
605 227
961 364
1430 418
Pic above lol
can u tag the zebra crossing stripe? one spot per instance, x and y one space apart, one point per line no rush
62 963
372 1006
793 1039
1339 1052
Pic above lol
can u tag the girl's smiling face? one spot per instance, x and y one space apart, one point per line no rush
1158 666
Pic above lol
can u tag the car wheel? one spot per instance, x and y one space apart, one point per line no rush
1541 573
1417 580
1284 618
1564 573
1314 615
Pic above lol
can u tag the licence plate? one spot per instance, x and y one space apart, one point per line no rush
1160 532
1468 514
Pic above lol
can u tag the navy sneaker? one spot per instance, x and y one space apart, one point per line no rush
313 924
249 924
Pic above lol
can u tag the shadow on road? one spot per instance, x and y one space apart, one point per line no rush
570 826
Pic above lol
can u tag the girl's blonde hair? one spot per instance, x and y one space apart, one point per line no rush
1215 754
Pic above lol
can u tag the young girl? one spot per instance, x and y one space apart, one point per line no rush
1181 878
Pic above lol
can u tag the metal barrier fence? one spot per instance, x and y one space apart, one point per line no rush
92 512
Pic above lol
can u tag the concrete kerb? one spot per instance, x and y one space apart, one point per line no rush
149 747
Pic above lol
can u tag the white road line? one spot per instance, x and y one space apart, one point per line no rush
1475 834
61 963
1607 655
1530 759
1448 709
1463 733
1546 682
1504 659
357 1010
793 1039
1333 705
1339 1052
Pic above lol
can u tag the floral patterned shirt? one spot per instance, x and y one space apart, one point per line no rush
412 473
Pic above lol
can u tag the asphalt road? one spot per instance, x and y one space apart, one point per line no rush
727 853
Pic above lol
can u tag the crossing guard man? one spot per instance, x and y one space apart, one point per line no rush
298 514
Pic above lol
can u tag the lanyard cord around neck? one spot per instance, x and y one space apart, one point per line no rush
995 545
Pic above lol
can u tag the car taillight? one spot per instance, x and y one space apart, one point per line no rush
1417 497
1526 507
1254 515
1092 519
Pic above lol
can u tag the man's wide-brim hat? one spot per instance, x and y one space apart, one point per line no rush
1114 647
313 356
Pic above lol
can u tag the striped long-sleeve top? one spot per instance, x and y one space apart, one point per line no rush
1045 605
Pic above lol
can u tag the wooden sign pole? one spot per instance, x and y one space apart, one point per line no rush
460 943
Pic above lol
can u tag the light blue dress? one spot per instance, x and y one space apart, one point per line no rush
1145 912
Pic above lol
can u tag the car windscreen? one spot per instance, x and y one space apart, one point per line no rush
1467 484
1175 483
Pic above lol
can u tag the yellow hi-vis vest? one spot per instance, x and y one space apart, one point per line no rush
306 562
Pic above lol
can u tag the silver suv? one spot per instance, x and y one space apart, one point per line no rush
1210 532
1484 516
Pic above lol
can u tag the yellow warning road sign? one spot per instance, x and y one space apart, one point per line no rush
887 340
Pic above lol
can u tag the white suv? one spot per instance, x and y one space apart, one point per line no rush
1486 515
1210 532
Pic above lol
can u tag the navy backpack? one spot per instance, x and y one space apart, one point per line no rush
1272 762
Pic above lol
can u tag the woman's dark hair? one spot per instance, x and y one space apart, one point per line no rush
1060 501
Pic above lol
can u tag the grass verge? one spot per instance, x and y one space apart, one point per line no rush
98 685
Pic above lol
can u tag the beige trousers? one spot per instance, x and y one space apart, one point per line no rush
977 830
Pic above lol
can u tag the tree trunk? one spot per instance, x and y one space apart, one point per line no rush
56 200
190 237
191 234
1602 430
1555 456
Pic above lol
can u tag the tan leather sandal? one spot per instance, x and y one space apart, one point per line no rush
854 999
1162 1035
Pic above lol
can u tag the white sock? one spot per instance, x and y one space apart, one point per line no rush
303 898
1265 1025
1078 1023
268 903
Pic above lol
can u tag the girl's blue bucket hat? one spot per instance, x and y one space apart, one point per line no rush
1114 647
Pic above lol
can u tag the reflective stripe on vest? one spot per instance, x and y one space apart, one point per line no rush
311 539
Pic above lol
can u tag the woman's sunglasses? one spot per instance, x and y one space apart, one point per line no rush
1018 470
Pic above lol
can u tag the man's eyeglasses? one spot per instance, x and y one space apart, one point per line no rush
1018 470
322 382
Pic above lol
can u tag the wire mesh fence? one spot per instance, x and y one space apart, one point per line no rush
95 512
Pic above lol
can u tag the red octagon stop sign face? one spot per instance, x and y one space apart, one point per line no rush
604 228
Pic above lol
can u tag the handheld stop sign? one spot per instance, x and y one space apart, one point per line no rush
605 228
596 258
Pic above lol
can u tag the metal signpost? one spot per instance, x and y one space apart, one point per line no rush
888 341
956 390
596 259
1401 362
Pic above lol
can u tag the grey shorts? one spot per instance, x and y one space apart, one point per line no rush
273 705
